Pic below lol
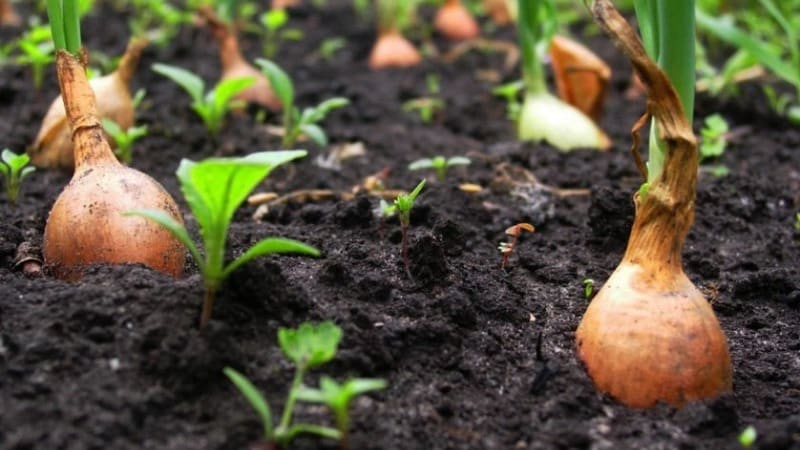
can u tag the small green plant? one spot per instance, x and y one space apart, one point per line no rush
296 123
429 105
507 248
797 221
748 437
308 346
214 189
588 288
440 164
211 106
275 32
124 138
510 93
14 169
37 51
715 137
402 207
156 20
329 46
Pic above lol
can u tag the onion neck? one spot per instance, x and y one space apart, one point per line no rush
130 59
230 55
90 146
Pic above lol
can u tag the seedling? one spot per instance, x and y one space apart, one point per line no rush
308 346
338 397
275 32
14 169
402 206
510 93
429 105
296 123
329 46
212 106
506 248
588 288
748 437
37 51
124 138
214 189
715 137
157 20
440 164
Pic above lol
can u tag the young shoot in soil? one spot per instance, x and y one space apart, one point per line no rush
124 138
510 93
211 106
14 168
214 188
649 335
429 105
402 206
440 164
588 288
544 116
296 123
275 32
748 436
85 225
507 248
37 51
308 346
392 49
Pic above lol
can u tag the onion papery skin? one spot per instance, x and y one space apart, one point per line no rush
86 225
545 117
393 50
454 21
645 340
53 145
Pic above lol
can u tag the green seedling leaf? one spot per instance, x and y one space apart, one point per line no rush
270 246
317 114
256 400
274 19
714 137
748 437
175 228
191 83
403 203
226 90
315 133
338 397
14 168
279 80
310 346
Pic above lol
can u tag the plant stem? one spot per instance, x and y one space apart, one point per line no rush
208 305
283 434
535 29
405 251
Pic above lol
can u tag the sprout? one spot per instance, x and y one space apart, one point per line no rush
124 138
440 164
14 169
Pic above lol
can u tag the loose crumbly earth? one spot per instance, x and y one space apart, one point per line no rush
117 362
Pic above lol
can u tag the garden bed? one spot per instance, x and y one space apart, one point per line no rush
475 357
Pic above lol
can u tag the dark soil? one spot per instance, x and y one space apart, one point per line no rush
116 361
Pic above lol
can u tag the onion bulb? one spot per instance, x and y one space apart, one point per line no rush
581 76
234 65
283 4
498 11
7 14
53 145
649 335
455 22
86 225
392 49
546 117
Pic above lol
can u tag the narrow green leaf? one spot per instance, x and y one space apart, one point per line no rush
271 246
226 90
174 227
279 81
458 161
254 397
315 133
190 82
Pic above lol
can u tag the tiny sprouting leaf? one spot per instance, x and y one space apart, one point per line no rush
424 163
111 128
322 110
190 82
14 161
274 19
278 80
138 97
270 246
254 397
310 345
748 436
315 133
459 161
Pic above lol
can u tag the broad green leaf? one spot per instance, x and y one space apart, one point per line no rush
279 81
190 82
270 246
254 397
226 90
315 133
310 345
178 230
